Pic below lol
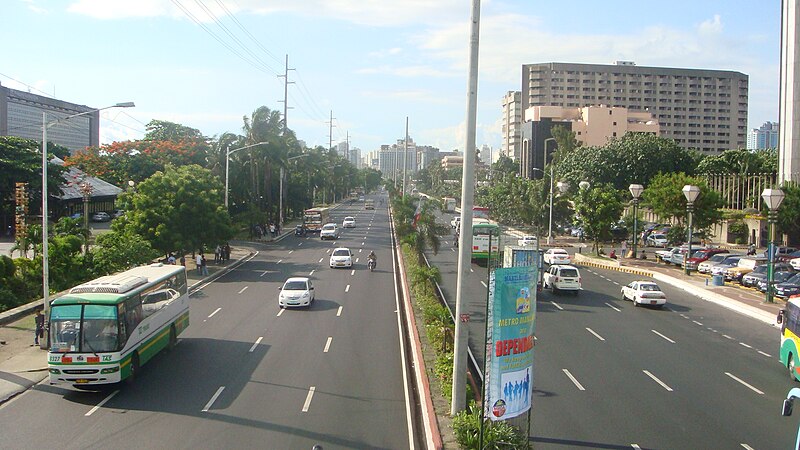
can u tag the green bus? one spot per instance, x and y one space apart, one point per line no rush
789 319
482 229
103 331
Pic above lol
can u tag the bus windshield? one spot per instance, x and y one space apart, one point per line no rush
313 218
84 328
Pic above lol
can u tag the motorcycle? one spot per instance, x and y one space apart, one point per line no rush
371 264
299 230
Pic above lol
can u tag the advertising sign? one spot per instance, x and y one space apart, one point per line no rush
510 341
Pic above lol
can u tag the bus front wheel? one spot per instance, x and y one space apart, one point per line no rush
791 366
134 368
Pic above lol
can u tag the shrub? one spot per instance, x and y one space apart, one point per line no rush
496 435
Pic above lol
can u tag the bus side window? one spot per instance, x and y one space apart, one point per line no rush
133 316
123 329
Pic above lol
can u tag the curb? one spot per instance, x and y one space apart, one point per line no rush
586 261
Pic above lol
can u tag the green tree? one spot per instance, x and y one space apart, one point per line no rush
120 250
178 209
600 208
740 161
565 141
21 162
665 197
789 210
163 130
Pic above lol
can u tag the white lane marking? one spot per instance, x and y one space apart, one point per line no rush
347 288
339 312
470 269
745 446
320 260
359 250
655 378
484 283
745 345
213 399
712 330
308 398
698 323
264 273
453 250
356 260
727 337
765 354
299 244
290 251
616 283
243 289
215 311
100 405
280 312
362 244
744 383
328 251
664 337
635 446
595 334
684 316
311 273
258 341
352 272
574 381
557 306
327 345
279 261
613 307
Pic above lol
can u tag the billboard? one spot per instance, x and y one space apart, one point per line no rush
510 341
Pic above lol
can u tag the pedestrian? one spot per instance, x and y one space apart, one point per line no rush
217 254
203 266
624 249
227 252
39 331
183 260
272 230
199 263
171 259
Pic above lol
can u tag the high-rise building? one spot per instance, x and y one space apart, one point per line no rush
21 115
700 109
512 119
355 157
789 107
766 136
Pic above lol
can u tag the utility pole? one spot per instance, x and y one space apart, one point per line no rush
285 101
330 132
465 240
405 157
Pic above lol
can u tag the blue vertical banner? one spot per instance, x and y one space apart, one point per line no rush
510 341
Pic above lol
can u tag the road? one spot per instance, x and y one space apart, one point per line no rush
611 375
247 374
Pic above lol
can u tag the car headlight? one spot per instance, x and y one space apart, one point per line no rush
306 294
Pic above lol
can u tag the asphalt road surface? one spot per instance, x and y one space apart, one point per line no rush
610 375
247 374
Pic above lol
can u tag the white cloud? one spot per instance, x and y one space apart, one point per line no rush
383 53
712 26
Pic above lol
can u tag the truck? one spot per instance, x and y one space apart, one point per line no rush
524 256
448 204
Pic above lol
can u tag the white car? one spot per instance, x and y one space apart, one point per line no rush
657 240
455 222
296 291
562 277
329 231
705 266
556 256
644 293
795 263
349 222
527 240
341 257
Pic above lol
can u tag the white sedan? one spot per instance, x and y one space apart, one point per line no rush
556 256
296 291
644 293
795 262
341 257
349 222
527 240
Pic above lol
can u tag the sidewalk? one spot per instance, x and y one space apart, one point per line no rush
23 365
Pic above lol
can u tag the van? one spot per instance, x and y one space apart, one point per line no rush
562 277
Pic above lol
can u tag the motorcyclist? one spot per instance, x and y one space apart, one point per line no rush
373 258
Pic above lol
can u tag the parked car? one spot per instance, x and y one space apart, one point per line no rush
341 257
778 277
725 264
795 263
789 287
743 267
705 266
703 255
657 240
556 256
528 239
329 231
296 291
644 293
760 273
101 216
788 256
576 231
782 253
349 222
455 222
666 255
118 213
562 277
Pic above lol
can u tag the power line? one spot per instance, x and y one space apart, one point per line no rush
250 35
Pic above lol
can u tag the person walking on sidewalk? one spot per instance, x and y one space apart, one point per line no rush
199 263
39 332
203 266
227 251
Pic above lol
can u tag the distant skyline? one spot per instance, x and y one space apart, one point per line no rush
371 62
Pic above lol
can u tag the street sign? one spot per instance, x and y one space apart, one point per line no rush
464 318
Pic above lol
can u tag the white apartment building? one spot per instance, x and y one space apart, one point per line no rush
512 119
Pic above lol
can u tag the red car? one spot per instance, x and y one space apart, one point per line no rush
703 255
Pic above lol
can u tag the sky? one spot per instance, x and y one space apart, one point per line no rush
369 63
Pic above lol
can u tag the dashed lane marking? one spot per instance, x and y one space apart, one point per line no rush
347 288
327 345
215 311
573 379
100 405
664 337
213 399
310 395
258 341
749 386
655 378
243 289
339 312
595 334
557 306
613 307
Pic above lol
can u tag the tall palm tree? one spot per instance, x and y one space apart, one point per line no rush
264 125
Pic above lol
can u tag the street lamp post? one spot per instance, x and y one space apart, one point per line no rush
552 169
228 153
45 214
773 199
280 197
636 192
691 193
